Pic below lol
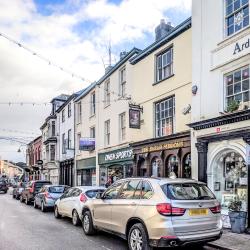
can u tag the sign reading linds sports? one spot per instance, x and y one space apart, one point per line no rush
116 155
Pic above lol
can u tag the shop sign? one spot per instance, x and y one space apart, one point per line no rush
117 155
87 144
241 46
39 162
248 155
135 116
162 147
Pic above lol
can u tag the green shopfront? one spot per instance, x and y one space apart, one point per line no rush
86 172
115 165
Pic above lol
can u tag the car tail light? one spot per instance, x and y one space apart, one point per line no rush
47 195
83 198
216 210
167 209
32 188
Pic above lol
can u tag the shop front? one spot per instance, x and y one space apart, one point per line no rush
164 156
223 159
66 172
86 172
115 165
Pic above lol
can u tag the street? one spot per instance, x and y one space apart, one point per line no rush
24 228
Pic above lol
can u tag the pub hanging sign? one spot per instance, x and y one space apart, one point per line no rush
135 116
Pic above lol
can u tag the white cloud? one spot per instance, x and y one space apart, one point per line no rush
23 77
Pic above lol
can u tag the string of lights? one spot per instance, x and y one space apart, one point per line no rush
41 57
18 131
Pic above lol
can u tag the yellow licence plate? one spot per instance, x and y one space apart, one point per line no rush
197 212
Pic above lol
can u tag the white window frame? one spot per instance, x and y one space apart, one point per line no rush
69 110
235 83
63 144
63 115
70 139
162 64
50 152
161 119
92 104
234 15
92 132
79 112
122 126
107 132
106 93
122 81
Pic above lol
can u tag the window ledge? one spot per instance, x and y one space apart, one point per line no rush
155 83
234 37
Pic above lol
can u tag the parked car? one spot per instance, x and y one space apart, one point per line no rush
48 195
18 190
31 189
71 203
155 212
3 186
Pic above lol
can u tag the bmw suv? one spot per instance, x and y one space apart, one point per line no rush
155 212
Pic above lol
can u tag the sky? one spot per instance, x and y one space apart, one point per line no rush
74 35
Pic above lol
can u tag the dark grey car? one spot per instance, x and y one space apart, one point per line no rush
47 196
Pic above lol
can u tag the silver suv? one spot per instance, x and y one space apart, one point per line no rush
155 212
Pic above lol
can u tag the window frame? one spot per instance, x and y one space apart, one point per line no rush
92 103
92 132
70 139
107 93
50 152
234 15
122 129
79 112
63 144
167 50
122 82
161 120
63 115
107 132
241 81
69 110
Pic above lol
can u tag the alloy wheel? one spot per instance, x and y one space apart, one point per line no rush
136 239
86 223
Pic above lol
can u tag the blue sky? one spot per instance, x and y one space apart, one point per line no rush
74 34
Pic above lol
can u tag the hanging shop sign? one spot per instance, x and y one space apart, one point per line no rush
116 156
87 144
135 116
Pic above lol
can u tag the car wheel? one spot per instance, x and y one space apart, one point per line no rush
27 201
43 207
87 224
56 213
75 218
35 205
13 196
137 238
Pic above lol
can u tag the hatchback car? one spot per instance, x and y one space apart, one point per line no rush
31 189
18 190
48 195
3 186
155 212
71 203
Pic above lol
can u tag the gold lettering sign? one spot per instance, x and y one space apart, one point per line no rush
162 147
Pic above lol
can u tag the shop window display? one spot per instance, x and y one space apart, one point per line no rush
230 182
187 166
156 167
172 166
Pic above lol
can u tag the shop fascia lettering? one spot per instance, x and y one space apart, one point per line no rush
119 155
239 47
163 147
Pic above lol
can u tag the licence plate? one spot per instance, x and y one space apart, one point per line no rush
198 212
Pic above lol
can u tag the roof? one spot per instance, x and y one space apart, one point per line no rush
62 97
85 91
69 100
170 36
85 188
130 54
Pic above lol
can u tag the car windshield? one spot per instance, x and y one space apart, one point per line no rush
38 185
187 191
92 193
56 189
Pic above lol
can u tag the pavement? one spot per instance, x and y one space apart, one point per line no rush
232 241
24 228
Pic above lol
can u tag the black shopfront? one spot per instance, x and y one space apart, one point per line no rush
66 172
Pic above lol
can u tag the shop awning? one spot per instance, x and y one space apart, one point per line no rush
88 163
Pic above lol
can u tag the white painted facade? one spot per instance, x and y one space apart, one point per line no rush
215 56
